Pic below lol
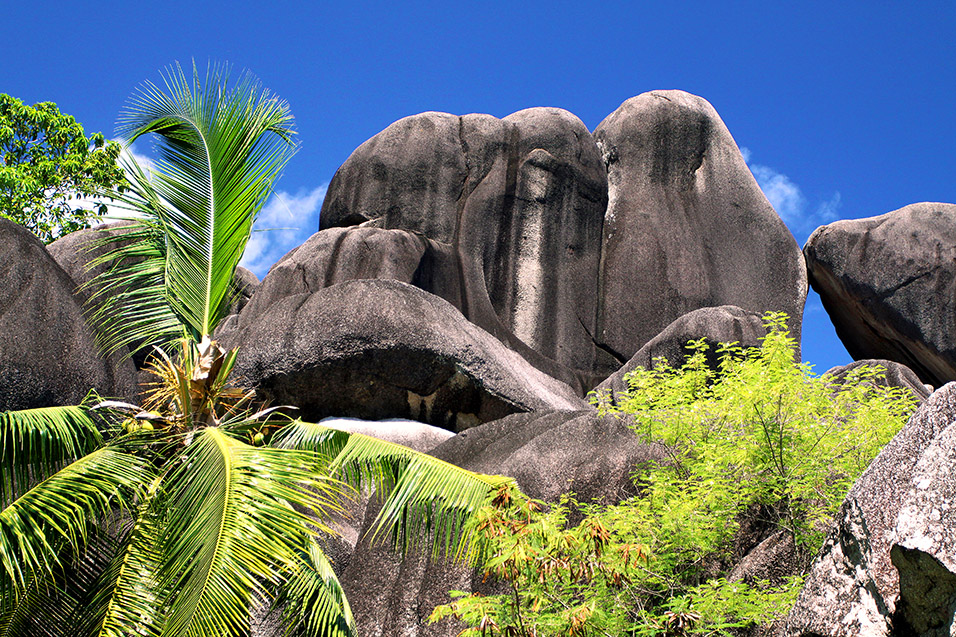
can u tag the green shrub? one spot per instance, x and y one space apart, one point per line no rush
760 437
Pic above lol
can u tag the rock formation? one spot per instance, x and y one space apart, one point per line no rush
47 352
887 283
897 508
378 348
725 324
687 227
572 249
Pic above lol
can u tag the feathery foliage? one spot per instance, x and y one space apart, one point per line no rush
760 439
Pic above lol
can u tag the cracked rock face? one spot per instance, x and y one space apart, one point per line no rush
875 277
47 353
892 503
687 226
924 549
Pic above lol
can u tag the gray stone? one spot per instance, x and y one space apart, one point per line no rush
894 375
408 433
337 255
924 546
725 324
869 514
687 227
378 348
47 352
512 210
888 284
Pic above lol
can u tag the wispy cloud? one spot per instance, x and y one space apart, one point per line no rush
285 222
788 200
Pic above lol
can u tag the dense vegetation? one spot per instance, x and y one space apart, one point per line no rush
48 165
760 441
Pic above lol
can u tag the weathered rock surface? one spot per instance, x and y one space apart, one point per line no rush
47 352
924 545
888 282
410 433
725 324
378 348
687 226
548 454
894 375
853 587
513 210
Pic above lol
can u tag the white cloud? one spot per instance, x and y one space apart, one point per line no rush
285 222
789 201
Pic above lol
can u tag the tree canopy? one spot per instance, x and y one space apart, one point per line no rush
49 166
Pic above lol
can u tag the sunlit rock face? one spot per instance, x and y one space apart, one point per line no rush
888 284
687 226
891 543
517 231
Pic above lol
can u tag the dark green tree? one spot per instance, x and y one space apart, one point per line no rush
48 164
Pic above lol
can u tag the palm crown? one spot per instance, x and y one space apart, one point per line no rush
165 520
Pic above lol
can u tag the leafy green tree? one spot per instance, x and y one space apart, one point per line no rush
175 519
760 439
47 165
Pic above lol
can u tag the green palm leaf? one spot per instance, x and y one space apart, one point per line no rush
313 601
126 599
35 443
220 150
240 517
61 605
423 496
61 509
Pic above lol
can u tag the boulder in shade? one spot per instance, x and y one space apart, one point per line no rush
379 348
889 284
47 352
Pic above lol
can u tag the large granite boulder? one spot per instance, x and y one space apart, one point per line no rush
853 587
547 453
687 226
47 352
379 348
724 324
512 210
888 284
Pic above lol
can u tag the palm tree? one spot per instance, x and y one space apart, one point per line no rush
165 520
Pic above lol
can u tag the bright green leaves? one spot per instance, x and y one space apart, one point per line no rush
220 149
58 512
423 496
46 162
233 528
35 443
759 439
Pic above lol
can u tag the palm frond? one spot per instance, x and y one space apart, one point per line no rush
239 517
220 150
55 605
313 602
61 509
128 306
35 443
423 496
127 598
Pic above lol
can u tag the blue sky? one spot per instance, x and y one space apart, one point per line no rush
844 109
